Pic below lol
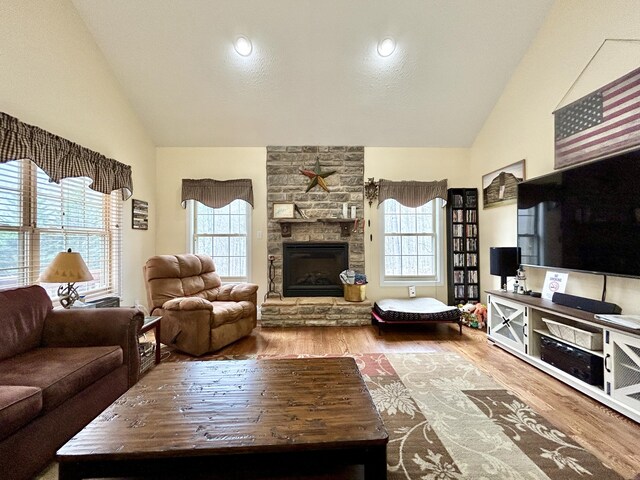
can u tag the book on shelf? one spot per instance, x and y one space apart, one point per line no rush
471 216
457 201
472 259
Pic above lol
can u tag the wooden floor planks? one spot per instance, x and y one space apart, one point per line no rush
610 436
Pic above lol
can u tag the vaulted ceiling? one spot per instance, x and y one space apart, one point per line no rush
314 75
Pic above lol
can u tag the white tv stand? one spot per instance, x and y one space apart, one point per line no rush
515 324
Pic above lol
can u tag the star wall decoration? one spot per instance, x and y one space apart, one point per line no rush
317 176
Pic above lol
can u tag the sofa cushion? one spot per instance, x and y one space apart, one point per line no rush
18 406
227 312
59 372
22 319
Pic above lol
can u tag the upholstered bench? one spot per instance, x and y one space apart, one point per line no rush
413 311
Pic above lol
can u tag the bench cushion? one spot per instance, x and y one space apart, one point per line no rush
60 372
415 309
18 406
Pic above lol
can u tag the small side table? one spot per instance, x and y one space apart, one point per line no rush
150 322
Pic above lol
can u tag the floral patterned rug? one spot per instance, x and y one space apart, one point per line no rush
448 420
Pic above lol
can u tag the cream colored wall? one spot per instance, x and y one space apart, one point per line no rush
174 164
54 76
521 124
423 164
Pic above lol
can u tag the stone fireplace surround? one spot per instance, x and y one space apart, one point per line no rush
285 183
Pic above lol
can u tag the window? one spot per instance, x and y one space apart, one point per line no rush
528 238
223 234
39 218
412 243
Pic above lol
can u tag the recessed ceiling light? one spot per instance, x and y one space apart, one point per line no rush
386 47
243 46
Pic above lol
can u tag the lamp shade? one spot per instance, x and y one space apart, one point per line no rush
67 267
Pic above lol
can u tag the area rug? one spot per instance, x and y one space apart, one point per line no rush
447 420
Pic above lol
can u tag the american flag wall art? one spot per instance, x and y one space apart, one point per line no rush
604 122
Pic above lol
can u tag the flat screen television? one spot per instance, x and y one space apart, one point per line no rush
585 218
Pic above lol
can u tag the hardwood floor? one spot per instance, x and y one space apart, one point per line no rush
609 435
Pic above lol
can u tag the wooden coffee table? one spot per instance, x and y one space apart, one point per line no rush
213 415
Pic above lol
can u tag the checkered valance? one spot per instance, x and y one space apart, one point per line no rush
411 193
60 158
216 193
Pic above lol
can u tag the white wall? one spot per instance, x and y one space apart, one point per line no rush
521 124
422 164
53 75
174 164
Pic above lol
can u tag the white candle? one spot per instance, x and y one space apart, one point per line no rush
353 211
345 208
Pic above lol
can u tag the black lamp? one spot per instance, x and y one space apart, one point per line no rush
504 262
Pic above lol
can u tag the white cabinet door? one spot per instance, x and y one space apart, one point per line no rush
508 324
625 369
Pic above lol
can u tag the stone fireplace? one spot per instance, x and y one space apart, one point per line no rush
304 303
312 269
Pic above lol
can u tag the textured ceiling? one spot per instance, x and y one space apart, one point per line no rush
314 77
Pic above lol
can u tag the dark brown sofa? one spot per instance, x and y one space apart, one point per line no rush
58 370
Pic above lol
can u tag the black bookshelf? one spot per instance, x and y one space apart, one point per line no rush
463 250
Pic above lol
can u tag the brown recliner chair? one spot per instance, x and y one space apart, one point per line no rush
199 314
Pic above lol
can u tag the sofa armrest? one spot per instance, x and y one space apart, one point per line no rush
89 327
188 303
236 292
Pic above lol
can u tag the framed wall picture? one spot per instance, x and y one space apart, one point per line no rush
501 186
284 210
139 215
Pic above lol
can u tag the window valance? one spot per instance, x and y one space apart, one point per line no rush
216 193
61 158
412 193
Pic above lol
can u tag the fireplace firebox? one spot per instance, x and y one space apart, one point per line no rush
312 269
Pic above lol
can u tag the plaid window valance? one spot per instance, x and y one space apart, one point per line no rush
216 193
60 158
410 193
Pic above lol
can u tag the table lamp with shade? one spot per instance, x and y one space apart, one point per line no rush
504 262
68 267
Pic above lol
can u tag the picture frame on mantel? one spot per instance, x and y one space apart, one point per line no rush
500 186
139 215
283 210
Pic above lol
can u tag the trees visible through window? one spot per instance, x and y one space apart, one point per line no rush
411 242
223 234
39 218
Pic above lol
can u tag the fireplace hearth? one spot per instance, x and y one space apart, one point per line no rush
312 269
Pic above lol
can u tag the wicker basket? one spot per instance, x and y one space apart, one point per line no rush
354 293
574 335
147 356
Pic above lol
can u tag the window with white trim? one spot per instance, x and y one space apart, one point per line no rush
39 219
412 243
223 234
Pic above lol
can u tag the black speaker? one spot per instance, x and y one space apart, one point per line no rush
504 262
585 304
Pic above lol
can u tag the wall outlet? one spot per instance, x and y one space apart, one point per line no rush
412 291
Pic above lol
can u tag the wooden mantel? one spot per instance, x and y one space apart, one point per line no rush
346 224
